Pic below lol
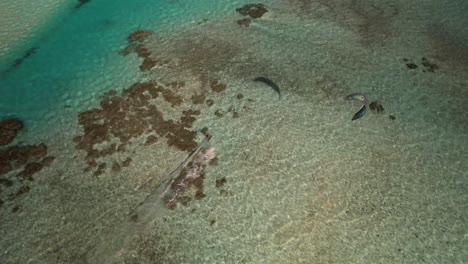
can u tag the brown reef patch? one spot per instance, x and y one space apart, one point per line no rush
151 139
9 128
217 87
139 35
253 10
136 44
130 115
30 159
30 169
198 99
17 156
127 162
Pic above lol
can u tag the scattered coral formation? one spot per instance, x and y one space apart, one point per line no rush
139 36
9 128
217 87
136 44
428 66
28 159
17 156
130 115
252 10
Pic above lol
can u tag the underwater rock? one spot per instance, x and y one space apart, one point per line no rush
252 10
8 130
430 67
376 106
411 65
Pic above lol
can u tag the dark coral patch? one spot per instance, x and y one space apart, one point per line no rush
220 182
22 190
252 10
376 106
198 99
132 114
430 67
151 140
209 102
217 87
17 156
47 160
139 35
135 44
116 167
411 65
9 128
30 169
127 162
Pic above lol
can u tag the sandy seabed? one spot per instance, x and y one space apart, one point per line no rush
295 180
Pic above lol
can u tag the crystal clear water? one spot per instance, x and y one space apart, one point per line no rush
303 183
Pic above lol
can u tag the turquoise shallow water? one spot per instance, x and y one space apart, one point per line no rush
77 58
302 183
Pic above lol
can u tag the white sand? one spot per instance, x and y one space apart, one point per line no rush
24 19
